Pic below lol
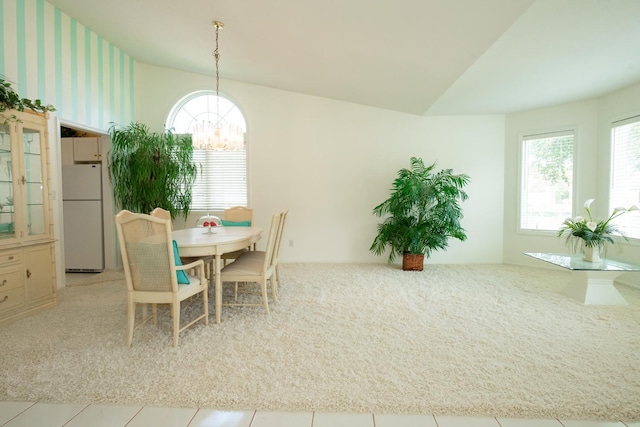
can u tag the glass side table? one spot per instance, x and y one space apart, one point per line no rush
591 282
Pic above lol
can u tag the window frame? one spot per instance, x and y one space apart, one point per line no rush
622 120
177 108
540 134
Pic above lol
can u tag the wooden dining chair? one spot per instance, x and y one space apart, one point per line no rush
236 216
254 269
259 255
208 260
152 275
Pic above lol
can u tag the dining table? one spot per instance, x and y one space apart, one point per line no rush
215 241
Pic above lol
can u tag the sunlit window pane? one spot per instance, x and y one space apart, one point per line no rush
625 174
546 180
222 175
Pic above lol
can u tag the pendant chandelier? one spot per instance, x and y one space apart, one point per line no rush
217 135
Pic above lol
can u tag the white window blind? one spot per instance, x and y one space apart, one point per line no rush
625 174
222 182
546 190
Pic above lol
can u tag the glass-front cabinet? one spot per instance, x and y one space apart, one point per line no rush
32 138
23 191
7 209
27 251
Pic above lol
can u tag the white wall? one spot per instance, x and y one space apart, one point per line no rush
331 162
592 122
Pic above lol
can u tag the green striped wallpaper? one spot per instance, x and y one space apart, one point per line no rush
48 55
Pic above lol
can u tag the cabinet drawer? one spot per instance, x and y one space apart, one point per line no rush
11 278
11 299
7 258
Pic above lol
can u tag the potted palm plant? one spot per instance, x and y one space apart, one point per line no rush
423 214
151 170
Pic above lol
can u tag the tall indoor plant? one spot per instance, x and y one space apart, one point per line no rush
150 170
424 212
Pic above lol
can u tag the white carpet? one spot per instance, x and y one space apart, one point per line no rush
452 340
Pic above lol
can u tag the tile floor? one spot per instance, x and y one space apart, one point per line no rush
29 414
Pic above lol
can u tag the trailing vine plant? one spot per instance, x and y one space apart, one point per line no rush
151 170
10 100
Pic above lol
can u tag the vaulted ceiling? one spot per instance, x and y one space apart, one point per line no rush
422 57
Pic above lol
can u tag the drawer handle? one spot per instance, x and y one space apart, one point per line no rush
28 274
6 297
11 258
4 282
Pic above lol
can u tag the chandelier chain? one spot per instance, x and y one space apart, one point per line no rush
215 134
216 55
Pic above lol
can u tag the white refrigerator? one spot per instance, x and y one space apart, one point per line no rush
82 213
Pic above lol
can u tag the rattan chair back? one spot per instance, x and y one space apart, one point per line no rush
238 214
147 252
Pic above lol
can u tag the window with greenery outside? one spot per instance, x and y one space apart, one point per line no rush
546 194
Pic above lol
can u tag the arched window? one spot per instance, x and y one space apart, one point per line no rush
222 175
